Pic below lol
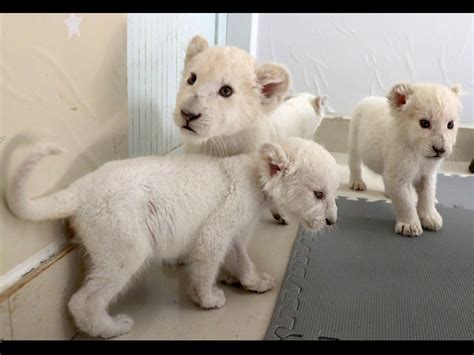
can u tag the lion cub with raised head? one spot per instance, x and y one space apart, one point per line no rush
169 207
224 97
226 103
405 137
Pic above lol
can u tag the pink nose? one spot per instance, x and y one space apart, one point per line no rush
189 116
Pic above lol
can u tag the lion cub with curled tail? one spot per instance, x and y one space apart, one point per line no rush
203 208
405 137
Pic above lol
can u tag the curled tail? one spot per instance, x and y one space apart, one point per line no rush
58 205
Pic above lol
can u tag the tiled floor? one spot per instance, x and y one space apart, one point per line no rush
161 309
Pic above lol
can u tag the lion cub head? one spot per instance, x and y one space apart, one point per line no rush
223 91
301 177
427 115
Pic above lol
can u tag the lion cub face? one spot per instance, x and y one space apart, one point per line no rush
302 177
427 115
223 92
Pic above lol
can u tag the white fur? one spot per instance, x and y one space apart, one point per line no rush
253 114
385 134
298 116
203 208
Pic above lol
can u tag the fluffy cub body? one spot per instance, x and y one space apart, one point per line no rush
404 138
202 208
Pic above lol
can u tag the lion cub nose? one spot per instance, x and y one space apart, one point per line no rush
438 150
189 116
328 222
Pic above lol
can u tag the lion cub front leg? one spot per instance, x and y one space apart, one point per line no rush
208 253
429 216
204 262
239 268
403 201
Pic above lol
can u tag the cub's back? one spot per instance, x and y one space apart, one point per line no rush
295 117
179 181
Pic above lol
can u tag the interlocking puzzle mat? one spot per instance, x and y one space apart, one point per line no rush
455 191
361 281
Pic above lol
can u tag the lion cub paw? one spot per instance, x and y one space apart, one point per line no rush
358 186
213 298
410 230
280 219
262 283
431 221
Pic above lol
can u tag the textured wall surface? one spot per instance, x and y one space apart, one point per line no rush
63 82
350 56
156 48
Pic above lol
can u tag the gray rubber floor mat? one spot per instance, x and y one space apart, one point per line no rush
361 281
456 191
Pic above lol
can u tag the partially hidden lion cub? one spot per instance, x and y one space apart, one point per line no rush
405 137
227 105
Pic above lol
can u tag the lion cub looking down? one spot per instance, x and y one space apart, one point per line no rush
404 137
129 212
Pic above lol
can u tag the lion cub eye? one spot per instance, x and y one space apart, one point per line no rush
425 123
225 91
319 195
450 125
192 79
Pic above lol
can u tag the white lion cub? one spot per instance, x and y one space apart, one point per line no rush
226 105
131 211
225 102
404 137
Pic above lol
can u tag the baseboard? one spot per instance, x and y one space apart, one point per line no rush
13 279
36 306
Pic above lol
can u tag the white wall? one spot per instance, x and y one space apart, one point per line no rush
156 48
242 31
349 56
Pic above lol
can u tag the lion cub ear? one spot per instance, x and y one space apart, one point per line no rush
275 157
197 45
274 82
457 89
318 104
399 94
